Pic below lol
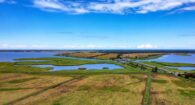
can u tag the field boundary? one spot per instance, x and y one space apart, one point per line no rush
146 94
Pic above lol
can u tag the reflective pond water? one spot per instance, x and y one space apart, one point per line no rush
173 58
10 56
183 68
87 66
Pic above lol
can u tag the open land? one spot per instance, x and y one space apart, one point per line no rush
134 84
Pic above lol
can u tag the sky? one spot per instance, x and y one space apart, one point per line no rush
97 24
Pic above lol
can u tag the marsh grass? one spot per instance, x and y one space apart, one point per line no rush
21 80
105 89
142 56
188 93
12 89
184 83
107 56
56 61
159 81
173 92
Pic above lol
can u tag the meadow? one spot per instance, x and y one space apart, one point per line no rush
105 56
168 90
23 84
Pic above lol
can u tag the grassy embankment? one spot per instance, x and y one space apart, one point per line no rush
146 97
164 64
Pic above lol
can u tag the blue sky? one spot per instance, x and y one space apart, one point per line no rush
97 24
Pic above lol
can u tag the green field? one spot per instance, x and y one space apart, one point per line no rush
23 84
164 64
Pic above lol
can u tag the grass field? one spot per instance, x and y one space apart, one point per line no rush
25 67
111 55
85 54
22 84
80 54
14 86
107 89
103 56
96 89
142 55
168 90
107 56
56 61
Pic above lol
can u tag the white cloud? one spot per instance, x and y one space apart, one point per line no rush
59 6
4 45
188 8
180 10
112 6
93 46
7 46
88 46
49 4
22 46
146 46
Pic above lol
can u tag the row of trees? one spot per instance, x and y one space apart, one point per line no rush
142 67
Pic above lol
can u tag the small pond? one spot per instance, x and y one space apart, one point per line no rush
87 66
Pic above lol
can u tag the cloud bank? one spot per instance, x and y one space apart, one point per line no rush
110 6
146 46
114 6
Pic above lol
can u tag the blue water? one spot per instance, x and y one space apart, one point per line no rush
10 56
183 68
172 58
87 66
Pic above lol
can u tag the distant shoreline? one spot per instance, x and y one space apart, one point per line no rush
111 51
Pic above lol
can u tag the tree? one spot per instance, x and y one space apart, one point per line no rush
155 69
142 67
